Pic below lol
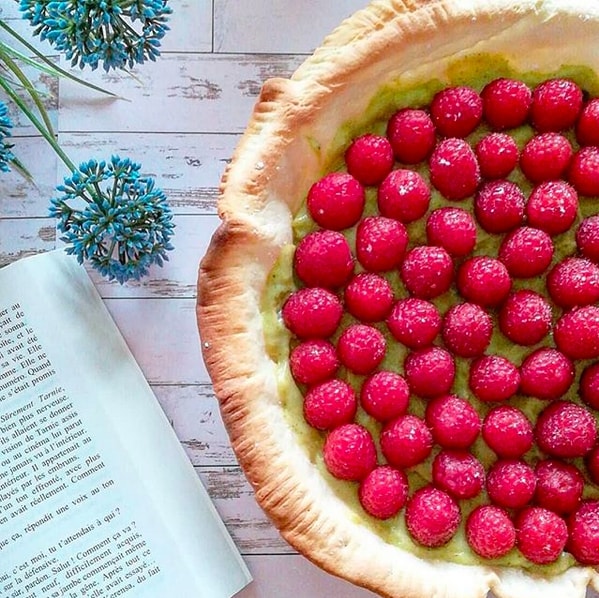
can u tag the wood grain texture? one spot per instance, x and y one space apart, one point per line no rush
277 27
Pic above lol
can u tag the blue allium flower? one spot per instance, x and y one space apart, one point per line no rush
6 154
114 33
114 218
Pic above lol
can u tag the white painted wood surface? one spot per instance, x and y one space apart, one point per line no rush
181 120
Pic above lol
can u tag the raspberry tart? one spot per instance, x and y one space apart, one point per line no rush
400 309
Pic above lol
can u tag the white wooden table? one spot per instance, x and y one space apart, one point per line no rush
183 118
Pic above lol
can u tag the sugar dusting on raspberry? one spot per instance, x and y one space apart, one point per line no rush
511 483
312 313
459 473
385 395
453 229
349 452
494 378
330 404
380 243
583 542
313 361
324 259
361 348
541 535
508 432
490 531
414 322
566 430
427 271
432 517
369 158
454 169
412 135
336 201
559 486
383 492
430 372
406 441
453 421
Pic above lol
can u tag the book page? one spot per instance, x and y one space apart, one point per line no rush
97 497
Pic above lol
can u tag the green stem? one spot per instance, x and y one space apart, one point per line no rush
27 86
45 133
50 67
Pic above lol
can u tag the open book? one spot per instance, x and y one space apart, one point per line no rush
97 497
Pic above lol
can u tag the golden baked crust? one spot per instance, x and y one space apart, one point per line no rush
284 150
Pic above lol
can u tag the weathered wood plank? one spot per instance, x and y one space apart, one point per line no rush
162 335
277 27
233 498
200 93
21 237
294 576
186 166
195 417
190 27
24 199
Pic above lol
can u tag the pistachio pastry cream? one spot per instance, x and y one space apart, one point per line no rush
474 71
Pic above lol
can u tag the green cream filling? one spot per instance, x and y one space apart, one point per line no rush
476 71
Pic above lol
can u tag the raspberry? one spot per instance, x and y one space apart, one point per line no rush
592 465
432 517
430 372
545 157
583 172
587 127
526 252
414 322
511 483
427 271
490 532
330 404
369 158
494 378
406 441
497 155
323 259
565 430
312 313
361 348
313 361
467 329
525 317
404 195
559 486
583 543
506 103
508 432
453 421
574 282
336 201
552 207
458 473
453 229
380 243
383 492
541 535
368 297
412 135
589 385
556 104
385 395
349 452
499 206
454 169
484 280
456 111
576 333
587 238
546 374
